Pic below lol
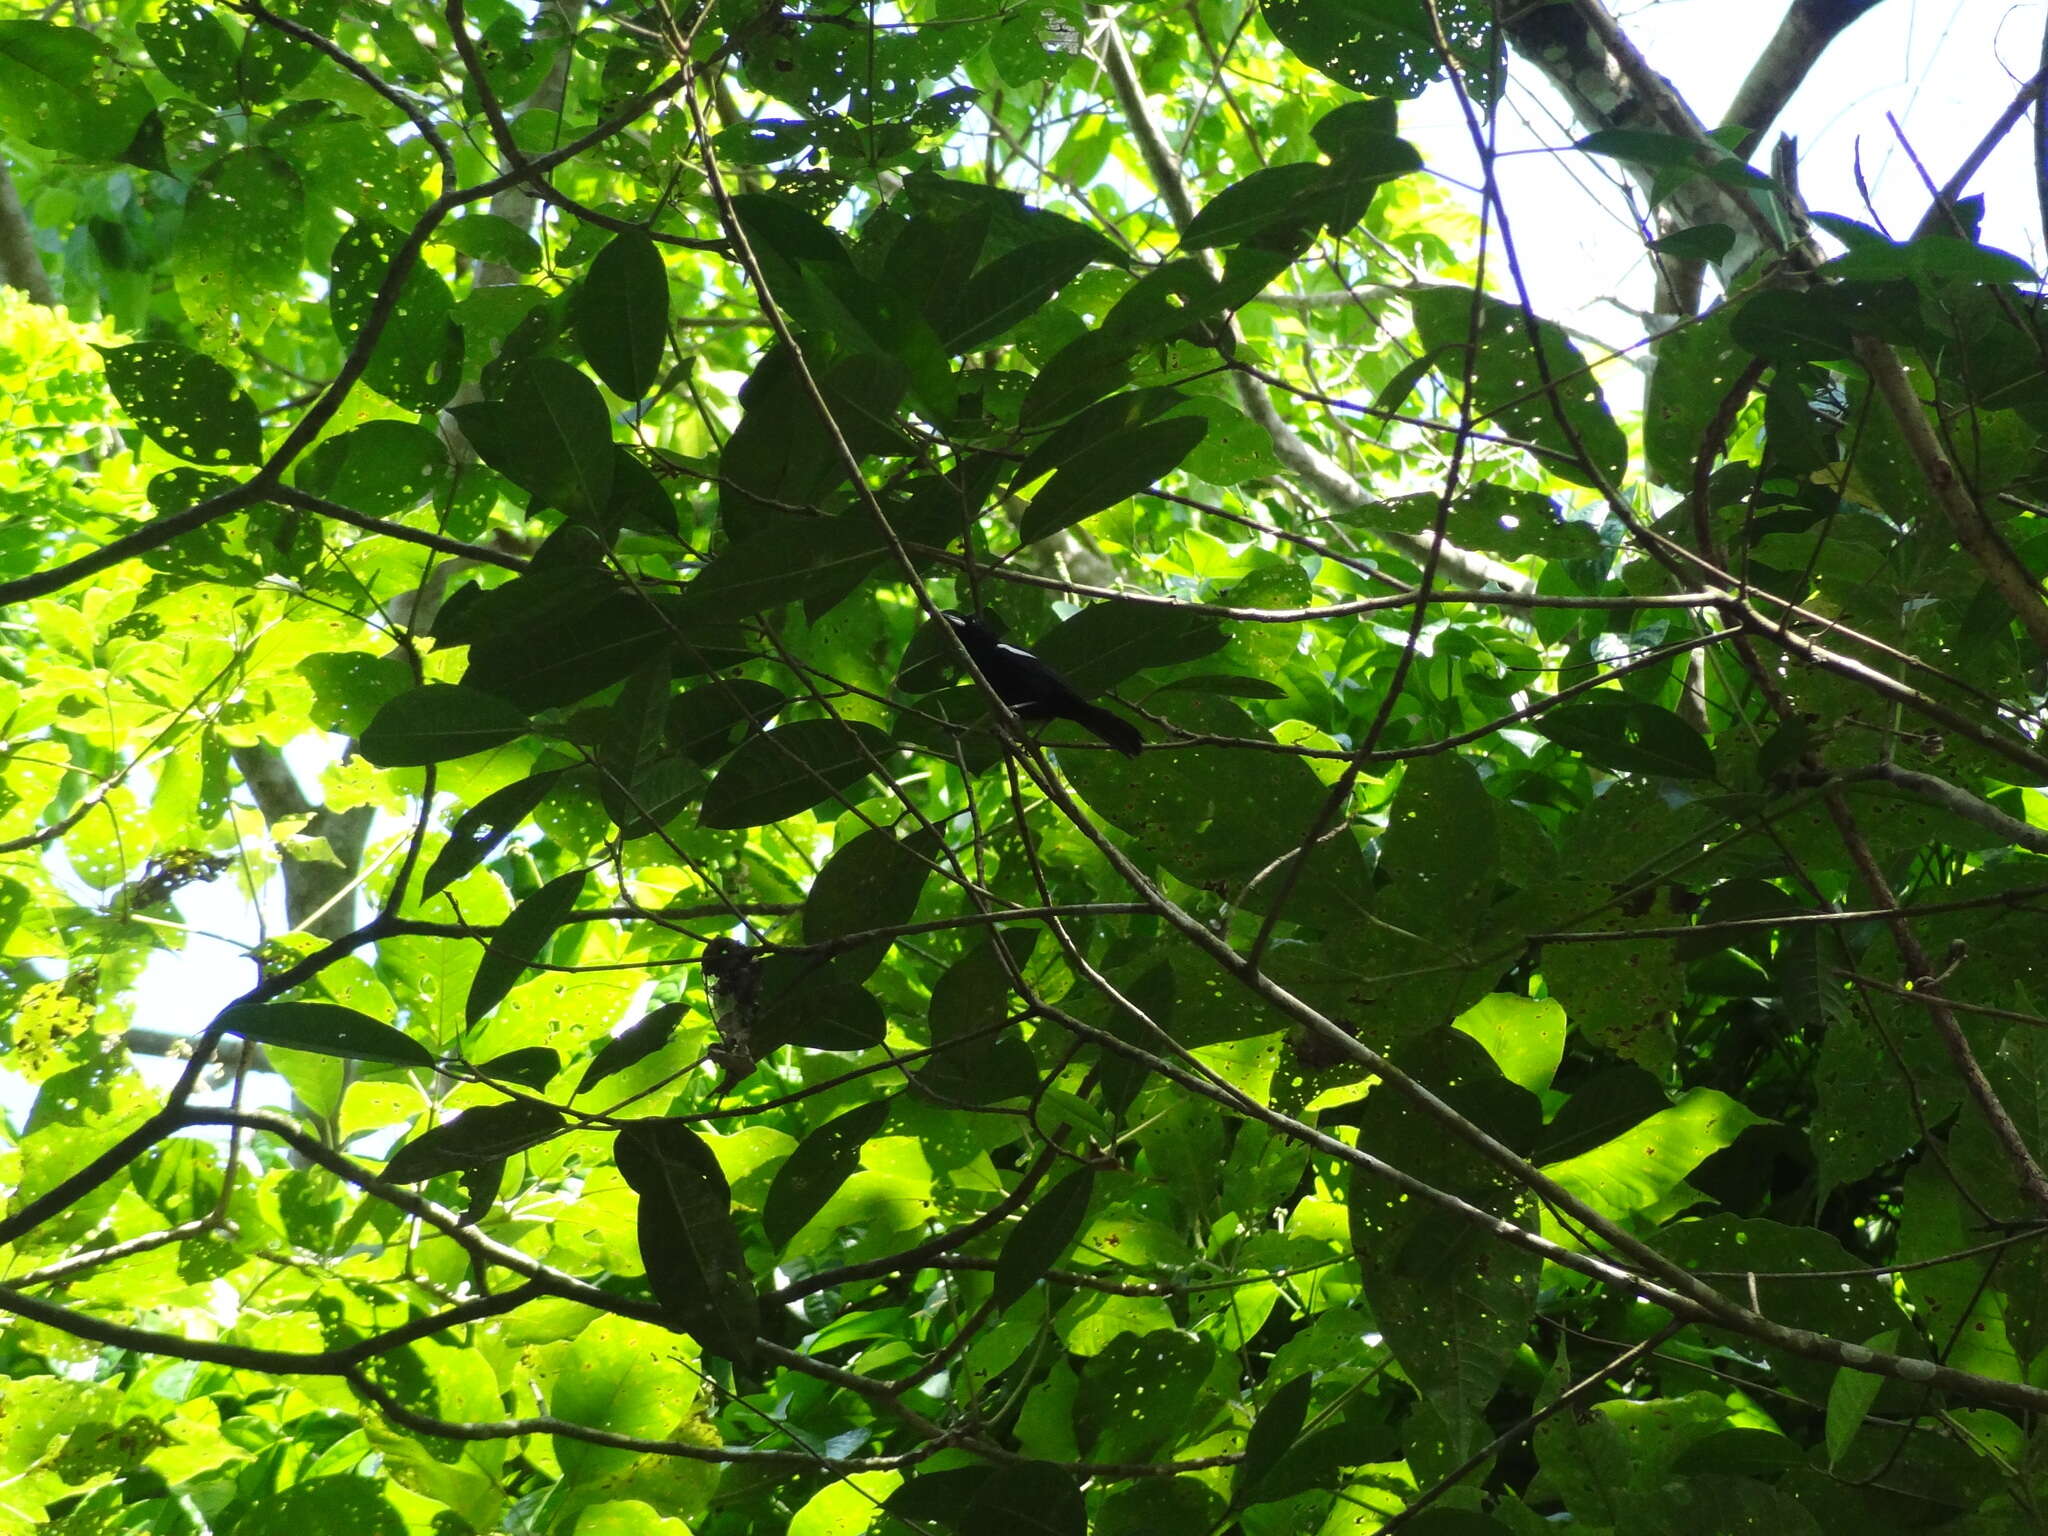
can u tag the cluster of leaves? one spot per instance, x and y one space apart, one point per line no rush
1546 1025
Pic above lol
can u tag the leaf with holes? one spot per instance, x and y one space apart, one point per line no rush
184 402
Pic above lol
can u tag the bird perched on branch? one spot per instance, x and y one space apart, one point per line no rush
1034 691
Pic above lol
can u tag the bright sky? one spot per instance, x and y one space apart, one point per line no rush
1944 68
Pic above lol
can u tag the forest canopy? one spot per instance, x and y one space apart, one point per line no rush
938 767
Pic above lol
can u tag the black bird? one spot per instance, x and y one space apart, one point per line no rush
1034 691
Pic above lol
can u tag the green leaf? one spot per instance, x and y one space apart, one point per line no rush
1545 393
1640 1167
821 1016
1629 736
417 357
1851 1396
764 573
701 722
1453 1301
1023 1498
189 44
634 1044
788 769
186 403
1931 257
519 941
326 1029
492 237
273 61
550 435
973 997
1013 287
482 827
695 1264
439 721
1285 204
619 314
1273 1434
1042 1236
1111 470
382 468
1218 816
534 1066
1660 151
1390 47
1703 242
1814 325
1105 643
813 1172
872 881
1696 365
240 247
336 1502
473 1139
64 89
550 638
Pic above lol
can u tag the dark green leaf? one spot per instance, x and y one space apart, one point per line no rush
1661 151
327 1029
695 1264
1109 471
872 881
702 722
1273 1434
382 468
273 61
62 88
1108 642
439 721
474 1138
189 44
619 314
550 435
1815 325
533 1067
519 941
417 358
791 768
1629 737
977 1061
1703 242
241 243
1391 47
1545 393
813 1172
482 827
187 403
1023 1498
763 573
1043 1235
1011 288
1452 1302
821 1016
634 1044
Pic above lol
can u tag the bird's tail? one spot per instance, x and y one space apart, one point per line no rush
1112 728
